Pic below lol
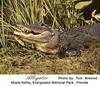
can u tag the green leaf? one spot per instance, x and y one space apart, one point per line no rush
82 4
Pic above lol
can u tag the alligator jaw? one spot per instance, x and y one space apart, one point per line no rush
34 28
43 37
42 41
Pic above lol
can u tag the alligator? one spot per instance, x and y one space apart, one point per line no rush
49 40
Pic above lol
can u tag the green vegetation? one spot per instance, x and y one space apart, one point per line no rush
60 14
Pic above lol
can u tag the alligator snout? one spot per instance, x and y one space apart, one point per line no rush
42 36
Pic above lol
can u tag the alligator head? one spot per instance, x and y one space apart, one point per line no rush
42 36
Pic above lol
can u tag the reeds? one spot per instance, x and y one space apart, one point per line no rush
60 14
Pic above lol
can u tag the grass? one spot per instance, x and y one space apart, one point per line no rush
60 14
88 63
21 60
